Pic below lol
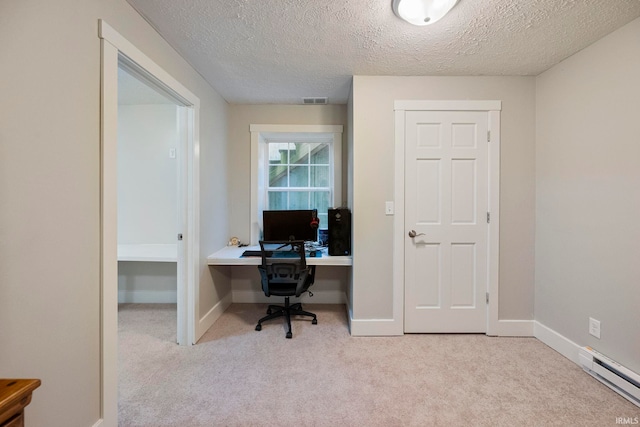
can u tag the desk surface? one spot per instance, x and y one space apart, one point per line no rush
148 253
232 255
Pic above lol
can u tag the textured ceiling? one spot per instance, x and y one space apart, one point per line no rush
278 51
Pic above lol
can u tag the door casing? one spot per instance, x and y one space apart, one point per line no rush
115 49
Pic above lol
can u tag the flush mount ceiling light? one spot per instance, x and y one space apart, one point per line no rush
422 12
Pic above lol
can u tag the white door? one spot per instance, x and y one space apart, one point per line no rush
446 204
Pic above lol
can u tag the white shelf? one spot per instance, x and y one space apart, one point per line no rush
148 253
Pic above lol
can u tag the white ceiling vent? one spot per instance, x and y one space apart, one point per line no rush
314 100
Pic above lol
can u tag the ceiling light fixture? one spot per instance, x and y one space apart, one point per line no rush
422 12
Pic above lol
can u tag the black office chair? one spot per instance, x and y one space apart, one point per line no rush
284 272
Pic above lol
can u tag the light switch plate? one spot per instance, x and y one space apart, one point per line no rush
388 208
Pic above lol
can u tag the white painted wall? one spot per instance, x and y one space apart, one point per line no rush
147 282
147 176
373 184
588 196
50 192
147 198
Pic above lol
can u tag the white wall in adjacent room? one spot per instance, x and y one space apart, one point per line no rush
147 175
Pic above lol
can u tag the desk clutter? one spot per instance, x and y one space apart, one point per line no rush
233 255
316 253
326 244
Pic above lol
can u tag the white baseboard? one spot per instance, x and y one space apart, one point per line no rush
388 327
212 315
145 297
515 328
559 343
374 327
319 297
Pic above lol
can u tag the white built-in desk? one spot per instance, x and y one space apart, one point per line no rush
332 275
141 282
232 255
148 253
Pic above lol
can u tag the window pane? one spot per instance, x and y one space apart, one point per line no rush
301 154
324 220
277 200
319 176
279 153
278 176
299 176
299 200
320 154
320 201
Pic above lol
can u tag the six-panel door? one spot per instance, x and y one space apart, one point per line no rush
446 203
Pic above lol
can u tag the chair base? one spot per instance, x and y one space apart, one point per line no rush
287 311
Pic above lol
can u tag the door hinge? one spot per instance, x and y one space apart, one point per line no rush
488 136
180 236
488 217
487 297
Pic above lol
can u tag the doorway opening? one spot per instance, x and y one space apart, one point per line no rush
150 136
116 53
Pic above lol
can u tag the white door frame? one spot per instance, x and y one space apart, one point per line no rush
115 47
399 232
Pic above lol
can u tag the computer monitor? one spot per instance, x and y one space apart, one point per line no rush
290 225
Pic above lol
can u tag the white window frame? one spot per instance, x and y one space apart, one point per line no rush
261 135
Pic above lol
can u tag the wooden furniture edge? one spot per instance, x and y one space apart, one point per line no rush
15 394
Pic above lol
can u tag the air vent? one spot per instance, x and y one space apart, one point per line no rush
314 100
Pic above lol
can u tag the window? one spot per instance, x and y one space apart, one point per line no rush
299 176
295 167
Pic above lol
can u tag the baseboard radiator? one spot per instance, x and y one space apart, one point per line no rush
615 376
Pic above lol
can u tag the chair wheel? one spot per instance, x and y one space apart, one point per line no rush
314 322
258 327
289 334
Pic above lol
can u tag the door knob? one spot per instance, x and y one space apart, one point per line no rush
413 234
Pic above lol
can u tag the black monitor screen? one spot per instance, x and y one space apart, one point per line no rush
289 225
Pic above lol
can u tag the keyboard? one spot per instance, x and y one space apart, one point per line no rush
252 253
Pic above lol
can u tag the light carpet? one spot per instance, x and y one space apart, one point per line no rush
236 376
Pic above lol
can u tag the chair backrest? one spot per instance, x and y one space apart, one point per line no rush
284 270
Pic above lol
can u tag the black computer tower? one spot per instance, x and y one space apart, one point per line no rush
339 232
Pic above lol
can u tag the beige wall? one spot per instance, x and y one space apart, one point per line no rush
240 117
373 184
588 196
50 192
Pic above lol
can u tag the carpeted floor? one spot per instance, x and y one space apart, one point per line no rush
236 376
